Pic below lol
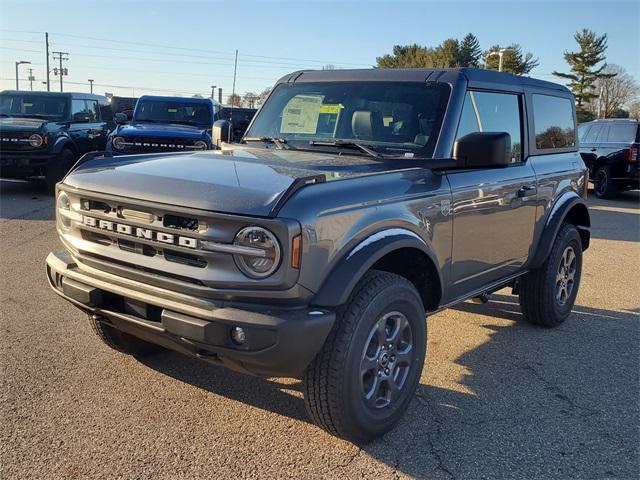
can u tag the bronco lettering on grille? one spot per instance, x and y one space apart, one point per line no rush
138 232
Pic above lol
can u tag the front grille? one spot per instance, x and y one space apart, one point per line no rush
157 144
16 142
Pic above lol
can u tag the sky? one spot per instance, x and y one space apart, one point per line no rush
130 48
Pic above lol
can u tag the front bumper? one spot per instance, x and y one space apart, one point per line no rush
15 164
279 341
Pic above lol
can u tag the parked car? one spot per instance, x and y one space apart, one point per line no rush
44 133
610 149
124 105
359 200
239 117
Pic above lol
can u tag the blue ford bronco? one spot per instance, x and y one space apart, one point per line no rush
358 202
164 124
43 134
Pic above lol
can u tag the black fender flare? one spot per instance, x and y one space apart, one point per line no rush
359 259
63 142
569 207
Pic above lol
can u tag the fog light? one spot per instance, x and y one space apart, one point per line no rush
238 336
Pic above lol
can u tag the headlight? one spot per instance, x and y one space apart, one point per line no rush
64 209
63 201
118 143
200 145
36 140
267 248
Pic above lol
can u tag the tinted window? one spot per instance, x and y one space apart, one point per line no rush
167 111
592 134
78 107
582 131
622 132
493 112
553 120
393 118
94 110
34 105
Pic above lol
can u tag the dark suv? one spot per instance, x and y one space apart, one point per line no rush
610 150
44 133
359 201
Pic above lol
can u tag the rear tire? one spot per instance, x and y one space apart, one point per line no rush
121 341
547 294
603 186
58 168
360 384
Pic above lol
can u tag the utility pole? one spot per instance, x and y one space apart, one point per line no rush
220 94
21 62
31 78
46 41
233 92
62 71
213 92
90 84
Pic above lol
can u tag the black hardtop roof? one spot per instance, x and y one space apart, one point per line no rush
612 120
91 96
474 76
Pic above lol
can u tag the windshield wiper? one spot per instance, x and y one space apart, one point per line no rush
280 143
341 143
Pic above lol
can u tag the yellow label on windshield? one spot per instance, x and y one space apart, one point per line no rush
25 104
172 110
330 109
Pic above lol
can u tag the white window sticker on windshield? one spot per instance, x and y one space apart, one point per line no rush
301 114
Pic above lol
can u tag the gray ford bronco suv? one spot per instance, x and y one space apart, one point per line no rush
357 202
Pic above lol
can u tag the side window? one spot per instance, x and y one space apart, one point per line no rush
493 112
94 110
582 131
592 134
78 107
553 120
622 132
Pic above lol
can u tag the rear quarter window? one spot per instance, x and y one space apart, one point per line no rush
553 122
623 132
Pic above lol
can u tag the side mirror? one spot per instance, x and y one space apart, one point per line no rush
81 117
221 132
483 150
120 118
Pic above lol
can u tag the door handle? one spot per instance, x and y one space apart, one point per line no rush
594 149
527 191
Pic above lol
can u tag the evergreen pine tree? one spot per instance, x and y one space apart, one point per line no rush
584 72
469 53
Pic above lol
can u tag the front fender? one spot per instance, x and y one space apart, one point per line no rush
343 278
62 142
570 207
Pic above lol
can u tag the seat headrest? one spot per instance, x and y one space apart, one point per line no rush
365 123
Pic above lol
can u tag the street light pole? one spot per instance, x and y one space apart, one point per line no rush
21 62
90 84
213 92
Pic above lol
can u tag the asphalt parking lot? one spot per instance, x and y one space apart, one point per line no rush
497 399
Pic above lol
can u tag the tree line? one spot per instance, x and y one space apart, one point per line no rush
601 90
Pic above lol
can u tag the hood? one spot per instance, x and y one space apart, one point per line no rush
246 181
21 124
168 130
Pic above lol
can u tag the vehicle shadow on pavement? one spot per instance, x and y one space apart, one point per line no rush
273 396
531 403
25 201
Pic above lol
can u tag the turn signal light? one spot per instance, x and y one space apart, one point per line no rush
632 154
296 251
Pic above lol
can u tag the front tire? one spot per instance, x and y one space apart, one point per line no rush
360 384
121 341
603 186
547 294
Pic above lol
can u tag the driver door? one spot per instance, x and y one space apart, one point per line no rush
494 208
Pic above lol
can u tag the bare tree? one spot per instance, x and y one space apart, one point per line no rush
634 110
614 92
234 100
263 96
250 99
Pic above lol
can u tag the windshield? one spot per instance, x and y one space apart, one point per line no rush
162 111
393 118
37 106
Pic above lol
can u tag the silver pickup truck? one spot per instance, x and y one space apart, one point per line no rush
357 202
